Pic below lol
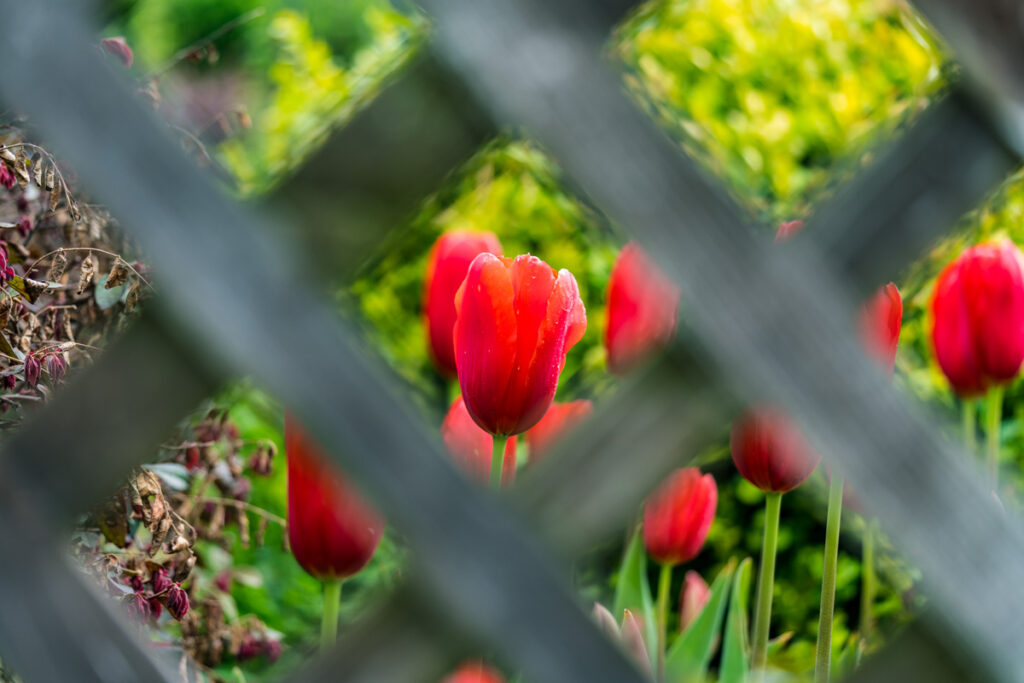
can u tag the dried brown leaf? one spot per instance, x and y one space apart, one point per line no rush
58 265
8 155
88 272
37 173
118 274
55 194
132 300
76 212
243 526
51 178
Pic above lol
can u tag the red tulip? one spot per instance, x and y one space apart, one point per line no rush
475 672
517 319
693 598
978 318
880 319
788 229
471 446
447 264
333 533
678 515
560 419
770 451
643 307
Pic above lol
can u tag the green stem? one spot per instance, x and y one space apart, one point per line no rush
869 580
329 622
993 418
970 425
766 580
497 461
823 657
664 586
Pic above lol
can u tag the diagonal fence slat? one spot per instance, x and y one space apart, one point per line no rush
942 167
774 321
229 292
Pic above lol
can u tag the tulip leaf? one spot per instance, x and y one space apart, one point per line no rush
634 592
848 657
689 657
736 649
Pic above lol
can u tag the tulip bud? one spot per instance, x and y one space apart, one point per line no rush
176 601
447 264
633 640
516 321
605 621
693 598
118 47
332 531
978 318
643 307
678 515
560 419
471 447
770 451
787 230
475 672
880 319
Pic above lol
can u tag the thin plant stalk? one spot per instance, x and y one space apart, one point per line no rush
497 460
969 411
766 580
869 580
329 622
823 658
664 586
993 419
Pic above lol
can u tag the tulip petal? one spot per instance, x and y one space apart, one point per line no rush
485 339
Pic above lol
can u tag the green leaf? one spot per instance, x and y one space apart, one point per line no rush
633 592
848 657
736 650
105 298
27 287
690 655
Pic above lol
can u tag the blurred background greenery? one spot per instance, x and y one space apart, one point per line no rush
782 99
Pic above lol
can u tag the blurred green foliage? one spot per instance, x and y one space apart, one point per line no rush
312 93
773 95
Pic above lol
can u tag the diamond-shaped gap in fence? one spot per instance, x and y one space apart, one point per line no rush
513 189
777 98
277 79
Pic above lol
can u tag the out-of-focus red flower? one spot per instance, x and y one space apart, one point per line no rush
880 319
678 515
7 177
472 447
517 319
694 596
978 317
560 419
447 264
788 229
643 308
118 47
770 451
332 531
138 607
176 601
33 366
161 581
475 672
